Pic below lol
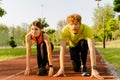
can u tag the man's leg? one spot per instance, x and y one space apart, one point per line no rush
75 57
84 52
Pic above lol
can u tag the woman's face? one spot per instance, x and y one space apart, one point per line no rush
35 31
74 28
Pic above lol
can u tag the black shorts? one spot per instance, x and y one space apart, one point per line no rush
42 55
80 49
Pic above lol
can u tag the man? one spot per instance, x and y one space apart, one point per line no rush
79 37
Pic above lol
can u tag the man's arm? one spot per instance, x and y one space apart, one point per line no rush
92 52
94 73
62 53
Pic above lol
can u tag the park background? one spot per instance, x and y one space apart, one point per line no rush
106 29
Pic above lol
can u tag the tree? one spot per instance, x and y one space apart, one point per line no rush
112 24
51 32
116 4
12 42
60 25
21 32
44 23
112 27
2 11
101 16
4 34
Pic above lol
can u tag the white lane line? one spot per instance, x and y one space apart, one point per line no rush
13 75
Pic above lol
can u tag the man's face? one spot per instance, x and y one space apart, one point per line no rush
35 31
75 27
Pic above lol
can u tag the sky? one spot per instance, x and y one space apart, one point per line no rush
26 11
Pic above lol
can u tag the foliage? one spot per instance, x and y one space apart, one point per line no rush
44 23
60 25
112 27
112 24
51 32
116 4
4 34
101 16
119 17
12 42
18 32
2 11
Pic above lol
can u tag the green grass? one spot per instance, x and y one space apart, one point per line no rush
9 53
111 55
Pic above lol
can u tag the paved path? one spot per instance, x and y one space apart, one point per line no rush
14 69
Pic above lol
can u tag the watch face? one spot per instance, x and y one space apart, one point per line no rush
50 66
94 67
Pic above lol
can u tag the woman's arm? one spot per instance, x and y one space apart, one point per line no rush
28 53
49 50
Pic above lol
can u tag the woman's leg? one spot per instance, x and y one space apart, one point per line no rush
39 58
42 58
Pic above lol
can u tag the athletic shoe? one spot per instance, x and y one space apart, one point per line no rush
85 72
76 66
42 71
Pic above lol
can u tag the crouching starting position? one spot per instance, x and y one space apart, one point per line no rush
44 50
79 37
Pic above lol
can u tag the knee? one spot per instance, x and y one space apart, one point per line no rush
52 46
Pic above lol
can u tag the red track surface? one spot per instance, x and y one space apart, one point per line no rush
14 69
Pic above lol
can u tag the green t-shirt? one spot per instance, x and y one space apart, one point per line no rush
84 32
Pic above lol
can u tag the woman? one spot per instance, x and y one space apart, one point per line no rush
44 50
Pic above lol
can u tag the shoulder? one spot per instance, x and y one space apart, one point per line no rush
66 27
86 26
28 35
45 36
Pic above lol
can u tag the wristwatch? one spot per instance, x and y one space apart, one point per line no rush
50 65
94 67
